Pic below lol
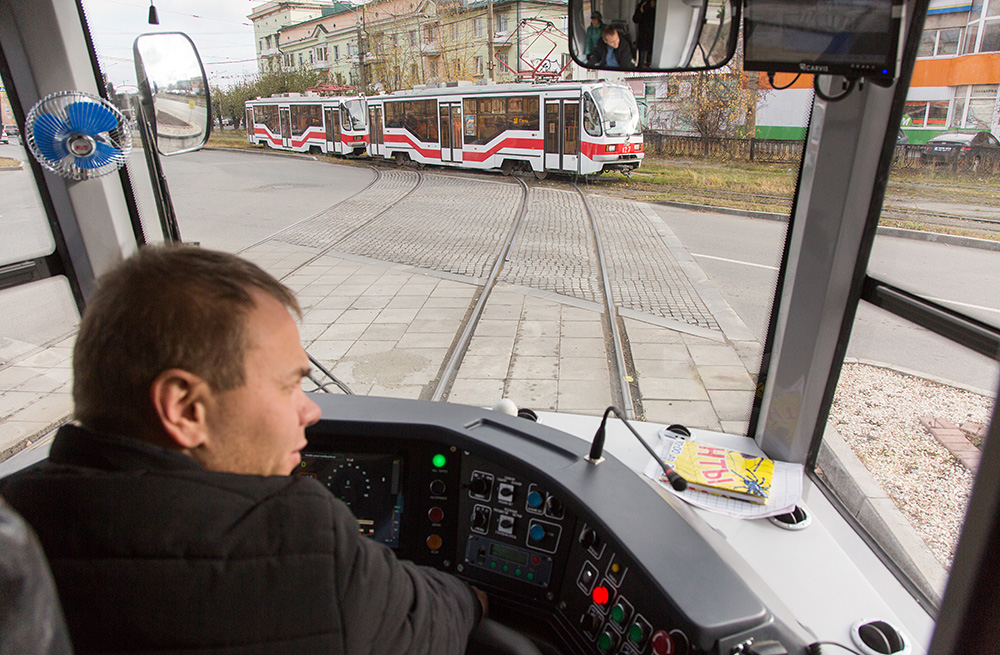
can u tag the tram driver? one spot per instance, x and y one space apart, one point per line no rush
166 508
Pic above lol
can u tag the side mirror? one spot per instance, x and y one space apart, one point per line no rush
173 91
653 35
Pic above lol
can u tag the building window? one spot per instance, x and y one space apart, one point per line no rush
267 42
983 33
352 49
974 107
413 38
433 68
479 65
564 24
260 46
336 52
454 30
413 71
925 114
504 58
477 26
322 54
287 61
502 23
430 34
300 59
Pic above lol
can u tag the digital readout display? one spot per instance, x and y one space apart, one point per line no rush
509 554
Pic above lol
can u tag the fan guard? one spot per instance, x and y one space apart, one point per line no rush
77 135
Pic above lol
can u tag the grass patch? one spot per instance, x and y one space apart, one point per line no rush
233 139
939 229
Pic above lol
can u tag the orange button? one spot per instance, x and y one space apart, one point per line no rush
434 542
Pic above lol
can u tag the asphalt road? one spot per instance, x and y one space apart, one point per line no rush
740 256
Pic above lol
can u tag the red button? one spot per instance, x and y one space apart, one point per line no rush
434 542
600 595
535 559
661 643
435 515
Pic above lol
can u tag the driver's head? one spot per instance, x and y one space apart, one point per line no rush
195 350
610 36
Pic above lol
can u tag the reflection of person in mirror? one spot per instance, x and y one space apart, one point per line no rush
593 36
644 18
613 51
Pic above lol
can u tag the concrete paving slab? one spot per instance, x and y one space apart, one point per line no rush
479 393
590 397
731 378
588 368
530 367
478 367
731 405
536 394
539 346
671 389
690 413
714 355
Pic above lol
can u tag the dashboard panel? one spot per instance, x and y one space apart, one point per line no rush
581 558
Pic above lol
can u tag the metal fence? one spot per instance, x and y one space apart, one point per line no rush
979 160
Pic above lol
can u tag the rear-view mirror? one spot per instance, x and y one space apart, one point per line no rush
173 91
653 35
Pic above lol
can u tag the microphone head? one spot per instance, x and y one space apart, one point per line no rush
676 481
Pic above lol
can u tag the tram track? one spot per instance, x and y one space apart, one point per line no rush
547 245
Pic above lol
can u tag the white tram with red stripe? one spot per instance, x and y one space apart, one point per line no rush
335 125
581 128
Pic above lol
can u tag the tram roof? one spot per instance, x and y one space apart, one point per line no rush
490 89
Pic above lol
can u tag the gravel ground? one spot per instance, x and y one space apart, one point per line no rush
876 411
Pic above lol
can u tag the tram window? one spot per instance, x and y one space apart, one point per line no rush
38 314
394 114
618 109
882 412
306 116
591 119
267 115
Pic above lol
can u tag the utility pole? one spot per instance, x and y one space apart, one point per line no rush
489 38
362 77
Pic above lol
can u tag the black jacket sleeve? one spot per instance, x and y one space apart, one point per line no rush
394 606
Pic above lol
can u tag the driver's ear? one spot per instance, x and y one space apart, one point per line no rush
180 400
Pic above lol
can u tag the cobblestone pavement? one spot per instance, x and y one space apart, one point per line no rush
555 250
448 224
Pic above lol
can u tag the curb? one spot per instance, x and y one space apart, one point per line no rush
898 232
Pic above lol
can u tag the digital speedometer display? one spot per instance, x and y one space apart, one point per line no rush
370 484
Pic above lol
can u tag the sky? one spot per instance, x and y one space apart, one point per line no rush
219 28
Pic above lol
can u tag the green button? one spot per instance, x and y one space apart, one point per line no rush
617 613
635 633
505 568
493 565
531 576
517 571
439 461
604 642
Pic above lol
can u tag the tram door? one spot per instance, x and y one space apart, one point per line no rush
249 125
451 131
562 135
377 148
331 115
285 123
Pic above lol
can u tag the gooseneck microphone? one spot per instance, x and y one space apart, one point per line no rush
597 448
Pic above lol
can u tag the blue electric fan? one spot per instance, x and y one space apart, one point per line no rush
77 135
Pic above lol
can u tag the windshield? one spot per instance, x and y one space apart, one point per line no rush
354 111
441 279
618 109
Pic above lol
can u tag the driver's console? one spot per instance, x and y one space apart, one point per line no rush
581 558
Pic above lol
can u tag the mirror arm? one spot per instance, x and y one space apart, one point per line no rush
147 130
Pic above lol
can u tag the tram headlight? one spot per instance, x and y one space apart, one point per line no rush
610 148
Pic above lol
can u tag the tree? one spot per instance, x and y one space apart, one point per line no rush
229 103
722 102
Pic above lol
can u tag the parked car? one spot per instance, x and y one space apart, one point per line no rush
3 135
967 147
12 130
